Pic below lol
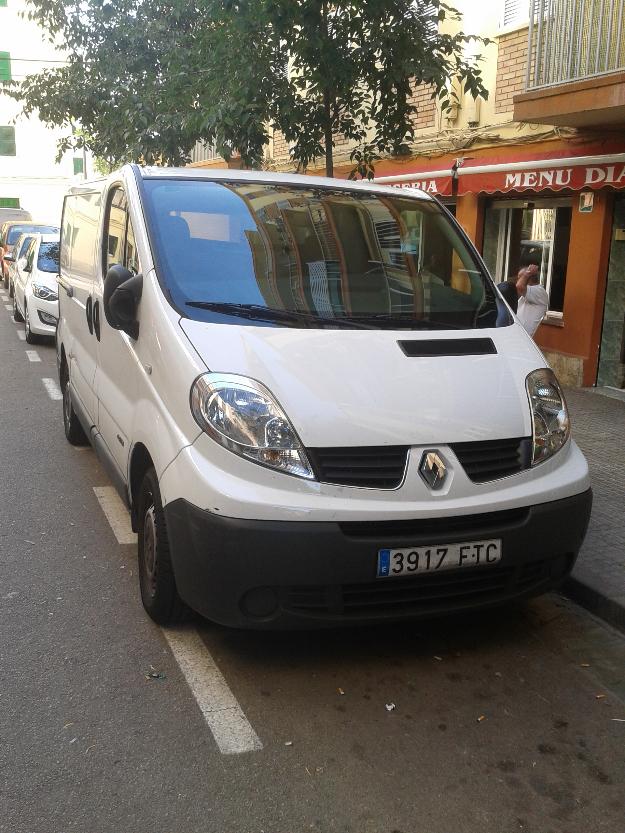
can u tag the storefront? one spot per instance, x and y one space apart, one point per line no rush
560 205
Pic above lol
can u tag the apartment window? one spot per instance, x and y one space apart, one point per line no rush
9 202
517 233
79 165
7 141
5 66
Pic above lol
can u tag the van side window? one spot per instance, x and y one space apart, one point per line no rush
116 229
66 231
131 261
119 236
81 216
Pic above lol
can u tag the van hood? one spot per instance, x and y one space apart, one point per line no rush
358 387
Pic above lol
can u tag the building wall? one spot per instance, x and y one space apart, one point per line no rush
511 68
426 106
32 175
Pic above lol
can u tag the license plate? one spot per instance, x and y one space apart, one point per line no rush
409 560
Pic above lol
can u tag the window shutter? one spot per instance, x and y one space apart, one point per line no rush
7 141
515 11
5 66
78 165
9 202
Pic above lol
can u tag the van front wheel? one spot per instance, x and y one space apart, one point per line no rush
74 431
156 576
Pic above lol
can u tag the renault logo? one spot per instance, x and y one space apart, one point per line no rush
432 469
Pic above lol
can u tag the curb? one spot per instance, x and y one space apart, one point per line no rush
593 600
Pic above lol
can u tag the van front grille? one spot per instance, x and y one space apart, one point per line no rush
491 459
436 528
373 467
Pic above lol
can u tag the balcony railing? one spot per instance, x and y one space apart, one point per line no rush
570 40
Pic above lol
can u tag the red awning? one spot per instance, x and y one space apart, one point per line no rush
438 182
554 173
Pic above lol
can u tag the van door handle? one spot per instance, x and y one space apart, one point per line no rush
89 313
96 319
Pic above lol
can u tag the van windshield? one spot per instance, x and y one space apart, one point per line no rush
299 256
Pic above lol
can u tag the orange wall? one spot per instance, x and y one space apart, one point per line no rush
470 215
585 286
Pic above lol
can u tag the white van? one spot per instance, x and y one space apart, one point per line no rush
313 399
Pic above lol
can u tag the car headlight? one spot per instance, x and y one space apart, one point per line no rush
550 416
44 292
243 416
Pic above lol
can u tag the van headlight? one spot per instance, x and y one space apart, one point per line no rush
242 415
550 417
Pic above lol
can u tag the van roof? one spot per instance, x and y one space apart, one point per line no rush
230 175
271 177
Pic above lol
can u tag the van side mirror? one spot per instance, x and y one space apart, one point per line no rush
120 299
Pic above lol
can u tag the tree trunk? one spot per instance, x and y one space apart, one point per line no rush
327 131
327 102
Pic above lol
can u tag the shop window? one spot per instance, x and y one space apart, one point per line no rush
7 141
519 233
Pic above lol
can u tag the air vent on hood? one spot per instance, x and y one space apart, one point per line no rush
448 347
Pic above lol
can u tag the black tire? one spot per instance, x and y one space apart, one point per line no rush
157 583
74 432
5 278
11 289
17 315
31 338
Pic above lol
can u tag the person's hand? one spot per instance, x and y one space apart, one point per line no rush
529 272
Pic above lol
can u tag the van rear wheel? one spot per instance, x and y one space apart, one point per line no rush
159 593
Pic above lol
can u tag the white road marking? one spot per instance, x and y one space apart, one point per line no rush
8 307
116 514
21 335
231 729
33 356
54 391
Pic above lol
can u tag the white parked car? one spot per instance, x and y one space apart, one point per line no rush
314 401
35 287
19 252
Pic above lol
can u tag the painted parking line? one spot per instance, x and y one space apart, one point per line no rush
33 356
53 390
116 514
21 335
231 729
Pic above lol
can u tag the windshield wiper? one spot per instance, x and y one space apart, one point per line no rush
260 313
406 318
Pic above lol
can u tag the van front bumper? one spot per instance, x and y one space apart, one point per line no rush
289 574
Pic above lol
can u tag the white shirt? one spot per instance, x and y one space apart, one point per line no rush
532 307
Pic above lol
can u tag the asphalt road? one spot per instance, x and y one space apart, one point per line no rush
513 721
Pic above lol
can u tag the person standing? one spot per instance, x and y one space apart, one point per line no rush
533 298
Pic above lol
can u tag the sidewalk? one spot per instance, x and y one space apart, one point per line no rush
598 580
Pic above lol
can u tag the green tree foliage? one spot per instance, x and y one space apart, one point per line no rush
146 80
